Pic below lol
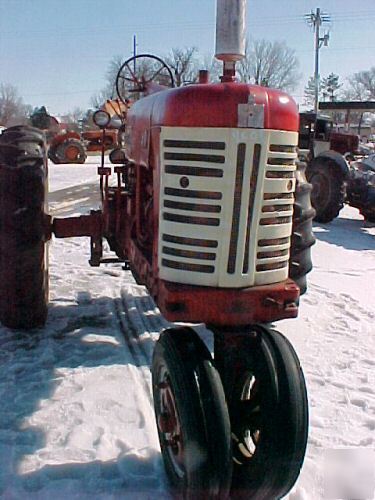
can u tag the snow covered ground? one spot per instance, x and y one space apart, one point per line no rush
76 419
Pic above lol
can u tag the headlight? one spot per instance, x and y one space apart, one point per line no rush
101 118
115 122
117 156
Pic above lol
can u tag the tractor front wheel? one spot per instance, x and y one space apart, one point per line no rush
23 256
192 416
268 408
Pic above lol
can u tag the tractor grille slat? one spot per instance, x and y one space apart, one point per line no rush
237 195
272 266
281 161
279 174
198 171
277 208
274 242
194 144
188 219
195 157
185 266
190 254
253 186
192 193
278 196
195 242
275 220
282 148
197 207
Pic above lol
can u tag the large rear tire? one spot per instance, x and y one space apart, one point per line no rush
192 416
23 256
300 263
328 189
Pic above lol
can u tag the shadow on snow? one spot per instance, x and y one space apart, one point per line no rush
28 361
347 233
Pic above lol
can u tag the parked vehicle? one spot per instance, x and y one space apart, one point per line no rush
328 155
360 189
68 146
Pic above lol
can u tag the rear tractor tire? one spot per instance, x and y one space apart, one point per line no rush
303 239
328 189
23 255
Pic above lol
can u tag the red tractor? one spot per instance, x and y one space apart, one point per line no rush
211 213
69 146
326 153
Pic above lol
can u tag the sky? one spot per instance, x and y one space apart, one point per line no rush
56 52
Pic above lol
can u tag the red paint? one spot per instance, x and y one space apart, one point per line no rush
215 105
228 307
84 225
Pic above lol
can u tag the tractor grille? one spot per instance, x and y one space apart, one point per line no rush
226 205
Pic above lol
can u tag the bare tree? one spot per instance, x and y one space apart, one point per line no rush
74 119
109 91
270 64
361 87
12 109
184 65
214 67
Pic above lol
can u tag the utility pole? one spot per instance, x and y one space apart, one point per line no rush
316 20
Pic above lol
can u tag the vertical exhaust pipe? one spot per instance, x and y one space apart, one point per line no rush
230 34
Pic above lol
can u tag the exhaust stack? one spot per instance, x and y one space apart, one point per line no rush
230 34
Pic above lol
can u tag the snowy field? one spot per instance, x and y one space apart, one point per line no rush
76 419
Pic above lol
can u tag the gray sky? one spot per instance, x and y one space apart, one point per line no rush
56 51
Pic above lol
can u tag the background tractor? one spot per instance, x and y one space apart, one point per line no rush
333 169
69 146
210 211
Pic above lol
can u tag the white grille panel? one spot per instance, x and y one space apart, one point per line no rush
216 226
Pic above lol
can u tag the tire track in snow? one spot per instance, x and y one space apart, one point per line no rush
336 367
140 324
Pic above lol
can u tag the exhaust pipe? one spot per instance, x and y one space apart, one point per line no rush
230 34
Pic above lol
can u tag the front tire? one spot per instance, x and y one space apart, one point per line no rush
23 256
268 408
328 189
192 416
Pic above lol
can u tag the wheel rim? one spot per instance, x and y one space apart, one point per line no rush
169 424
320 191
247 426
72 153
269 416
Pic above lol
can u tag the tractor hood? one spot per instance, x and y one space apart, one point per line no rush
217 105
